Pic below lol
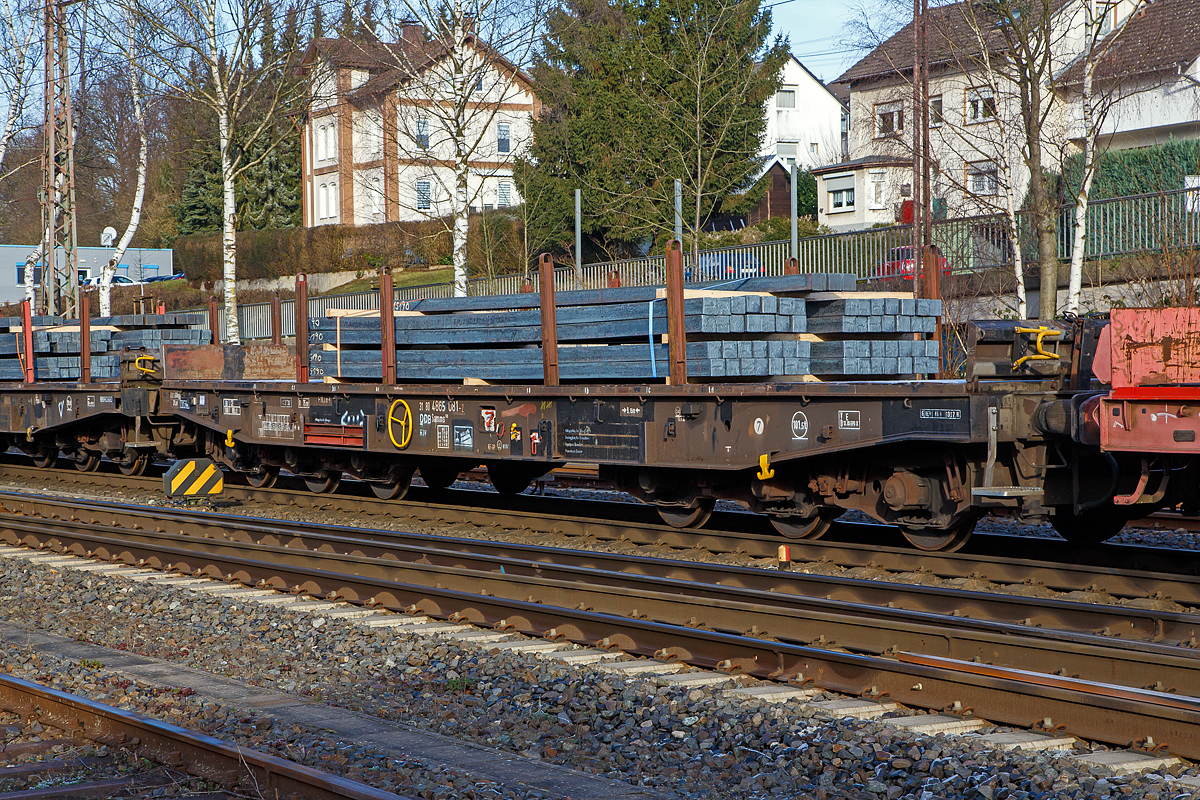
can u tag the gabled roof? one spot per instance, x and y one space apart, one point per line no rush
1163 36
816 80
392 63
359 53
952 35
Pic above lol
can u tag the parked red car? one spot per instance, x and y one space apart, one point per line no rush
899 264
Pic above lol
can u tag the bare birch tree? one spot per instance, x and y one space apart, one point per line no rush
206 50
139 195
1095 105
446 100
18 35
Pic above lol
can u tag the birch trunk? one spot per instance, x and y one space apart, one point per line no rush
1079 241
231 333
139 195
460 208
1014 232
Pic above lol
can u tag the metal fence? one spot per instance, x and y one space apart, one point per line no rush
1119 226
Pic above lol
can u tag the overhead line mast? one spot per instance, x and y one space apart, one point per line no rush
60 274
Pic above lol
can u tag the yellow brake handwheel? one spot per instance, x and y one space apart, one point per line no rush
405 423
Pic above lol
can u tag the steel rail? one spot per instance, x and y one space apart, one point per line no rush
812 591
233 767
562 613
1122 571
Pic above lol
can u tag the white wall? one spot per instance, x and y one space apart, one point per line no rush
815 120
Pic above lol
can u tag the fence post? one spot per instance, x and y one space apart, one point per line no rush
85 338
276 319
676 337
549 321
301 315
214 319
387 324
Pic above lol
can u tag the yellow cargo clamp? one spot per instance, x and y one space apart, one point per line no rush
137 362
764 467
1042 332
404 421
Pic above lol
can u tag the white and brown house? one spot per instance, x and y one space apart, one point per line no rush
380 135
1149 70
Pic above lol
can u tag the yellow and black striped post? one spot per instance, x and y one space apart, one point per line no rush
193 477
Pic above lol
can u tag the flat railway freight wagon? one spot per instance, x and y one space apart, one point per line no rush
929 456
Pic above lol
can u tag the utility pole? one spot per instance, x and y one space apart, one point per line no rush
60 280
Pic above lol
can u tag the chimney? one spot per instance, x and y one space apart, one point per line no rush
412 32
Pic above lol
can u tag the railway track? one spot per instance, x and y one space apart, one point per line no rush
1122 571
51 725
1001 669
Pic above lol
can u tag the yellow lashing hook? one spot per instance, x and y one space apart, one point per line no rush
764 467
137 362
1042 332
229 439
405 423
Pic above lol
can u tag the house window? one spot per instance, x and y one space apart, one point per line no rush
935 112
424 196
1192 184
889 119
423 133
327 201
375 203
786 97
787 151
1102 15
876 189
812 148
840 190
982 178
325 142
504 194
503 142
981 106
478 87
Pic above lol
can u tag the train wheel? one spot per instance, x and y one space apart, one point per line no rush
265 479
439 476
324 484
89 463
508 478
1091 527
135 467
813 527
679 517
945 541
396 488
45 459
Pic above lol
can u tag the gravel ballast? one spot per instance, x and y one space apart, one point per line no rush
695 743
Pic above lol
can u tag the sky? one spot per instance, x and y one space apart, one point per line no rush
813 27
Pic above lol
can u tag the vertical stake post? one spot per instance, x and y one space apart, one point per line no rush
27 336
276 319
792 267
301 316
85 338
578 238
676 338
679 210
387 325
549 321
795 221
214 319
